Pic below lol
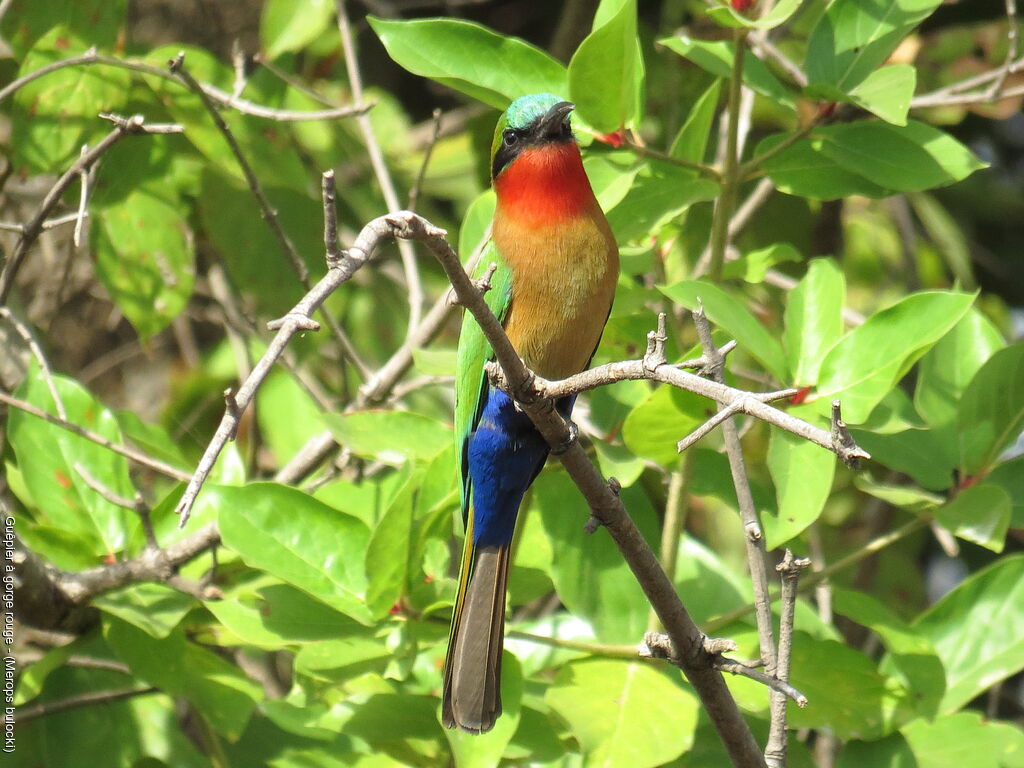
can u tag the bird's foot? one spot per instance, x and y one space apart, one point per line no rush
574 434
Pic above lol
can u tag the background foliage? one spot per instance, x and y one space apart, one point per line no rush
882 268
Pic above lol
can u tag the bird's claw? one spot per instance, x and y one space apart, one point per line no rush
574 434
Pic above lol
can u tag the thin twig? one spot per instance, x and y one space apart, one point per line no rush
37 353
380 168
222 98
129 453
414 193
83 199
1012 47
136 505
789 568
754 538
644 151
89 699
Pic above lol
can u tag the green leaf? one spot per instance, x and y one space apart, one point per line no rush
978 630
47 455
388 552
471 59
778 14
624 713
691 143
901 158
287 26
96 22
964 740
1010 477
903 496
980 514
287 414
57 113
803 169
153 608
854 37
890 752
991 411
486 749
753 266
910 654
950 365
716 57
589 574
337 660
390 436
611 176
886 92
866 363
476 224
813 319
947 236
219 690
802 473
144 257
654 427
277 614
619 462
606 73
298 539
927 455
729 313
659 193
847 692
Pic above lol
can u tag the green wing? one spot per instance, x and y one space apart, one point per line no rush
474 351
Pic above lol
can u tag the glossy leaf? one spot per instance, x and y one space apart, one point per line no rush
1010 477
624 714
716 57
802 473
949 366
691 142
287 26
729 313
890 752
462 55
753 266
390 436
901 158
606 72
145 259
978 630
654 427
992 409
298 539
927 455
47 456
659 193
804 169
964 740
154 608
854 37
388 552
288 416
278 614
869 360
886 92
980 514
777 14
218 689
589 574
813 319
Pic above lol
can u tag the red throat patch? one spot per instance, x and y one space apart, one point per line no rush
544 185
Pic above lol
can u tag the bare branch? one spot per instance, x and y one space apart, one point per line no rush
91 57
414 193
790 568
129 453
380 169
27 714
37 353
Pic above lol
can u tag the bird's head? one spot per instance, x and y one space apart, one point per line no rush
530 122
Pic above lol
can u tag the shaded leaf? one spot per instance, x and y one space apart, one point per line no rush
991 411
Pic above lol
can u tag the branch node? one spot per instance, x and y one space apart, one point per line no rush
842 441
574 434
654 356
233 411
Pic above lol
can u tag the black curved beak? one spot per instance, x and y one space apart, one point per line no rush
550 125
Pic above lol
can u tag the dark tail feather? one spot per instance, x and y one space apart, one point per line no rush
472 670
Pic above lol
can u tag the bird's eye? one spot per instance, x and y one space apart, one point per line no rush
510 137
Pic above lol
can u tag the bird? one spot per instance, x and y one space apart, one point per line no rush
557 264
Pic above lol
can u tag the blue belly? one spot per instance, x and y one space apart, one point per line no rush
505 454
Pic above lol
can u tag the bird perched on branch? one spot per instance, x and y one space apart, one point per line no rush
557 265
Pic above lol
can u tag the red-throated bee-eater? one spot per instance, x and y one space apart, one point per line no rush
557 265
